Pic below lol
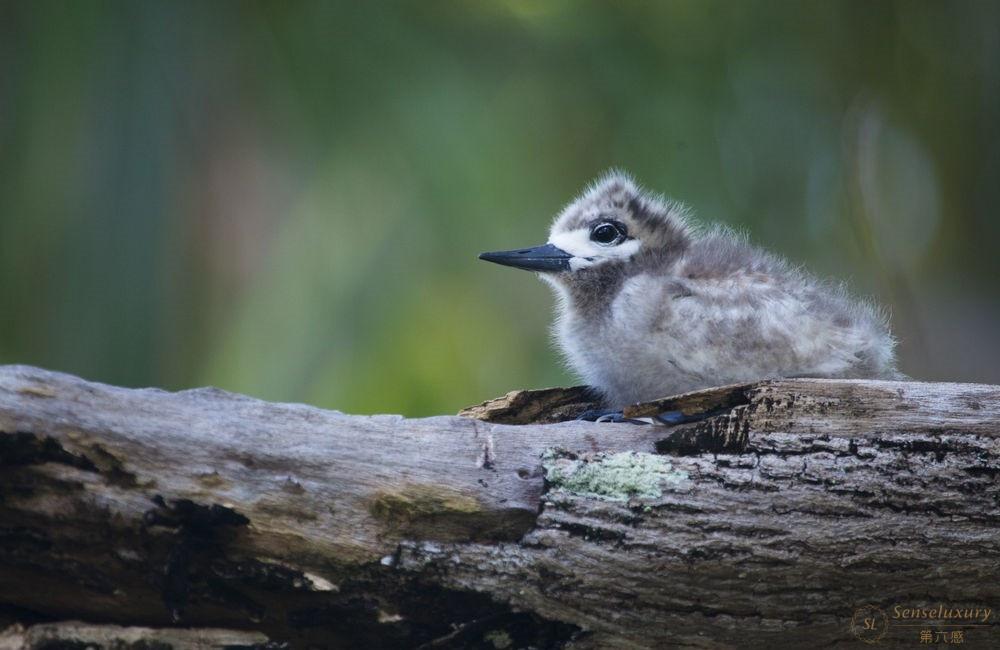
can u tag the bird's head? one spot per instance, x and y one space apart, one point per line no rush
613 224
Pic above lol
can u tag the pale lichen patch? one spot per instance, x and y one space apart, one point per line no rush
211 479
499 638
615 477
37 390
386 617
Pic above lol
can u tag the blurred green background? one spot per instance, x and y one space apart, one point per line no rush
287 198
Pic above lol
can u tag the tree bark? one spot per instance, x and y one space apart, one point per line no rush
775 513
76 635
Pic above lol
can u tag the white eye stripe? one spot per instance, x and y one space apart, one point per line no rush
587 253
575 242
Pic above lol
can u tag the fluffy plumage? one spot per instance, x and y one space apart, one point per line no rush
673 308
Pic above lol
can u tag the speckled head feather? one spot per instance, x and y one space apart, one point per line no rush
655 234
651 219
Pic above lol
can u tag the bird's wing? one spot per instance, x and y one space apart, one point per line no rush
751 325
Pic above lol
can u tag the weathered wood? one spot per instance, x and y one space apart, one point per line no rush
710 401
543 406
76 635
785 506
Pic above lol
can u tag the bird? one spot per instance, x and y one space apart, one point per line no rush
650 303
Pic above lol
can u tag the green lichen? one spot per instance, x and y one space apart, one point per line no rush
615 477
499 638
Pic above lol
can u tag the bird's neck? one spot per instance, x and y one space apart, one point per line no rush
590 292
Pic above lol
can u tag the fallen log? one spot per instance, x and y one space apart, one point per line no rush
778 512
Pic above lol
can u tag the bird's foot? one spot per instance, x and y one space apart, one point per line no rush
606 415
670 418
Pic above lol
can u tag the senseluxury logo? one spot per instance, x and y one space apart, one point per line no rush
869 624
925 624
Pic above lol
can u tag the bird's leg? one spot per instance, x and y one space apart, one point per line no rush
606 415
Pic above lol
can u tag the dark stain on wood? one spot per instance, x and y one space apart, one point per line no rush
26 448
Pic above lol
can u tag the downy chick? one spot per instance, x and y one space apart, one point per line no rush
650 305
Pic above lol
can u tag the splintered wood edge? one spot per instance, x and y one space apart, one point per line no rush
535 406
541 406
696 402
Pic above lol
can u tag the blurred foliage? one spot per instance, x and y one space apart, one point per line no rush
287 198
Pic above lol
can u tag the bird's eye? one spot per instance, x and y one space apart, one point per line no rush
607 233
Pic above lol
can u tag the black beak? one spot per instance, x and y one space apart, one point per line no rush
540 258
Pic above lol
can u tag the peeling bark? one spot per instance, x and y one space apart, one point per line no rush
543 406
769 518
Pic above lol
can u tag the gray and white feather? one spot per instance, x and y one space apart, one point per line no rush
649 305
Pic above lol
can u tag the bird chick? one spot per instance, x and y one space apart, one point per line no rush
649 305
